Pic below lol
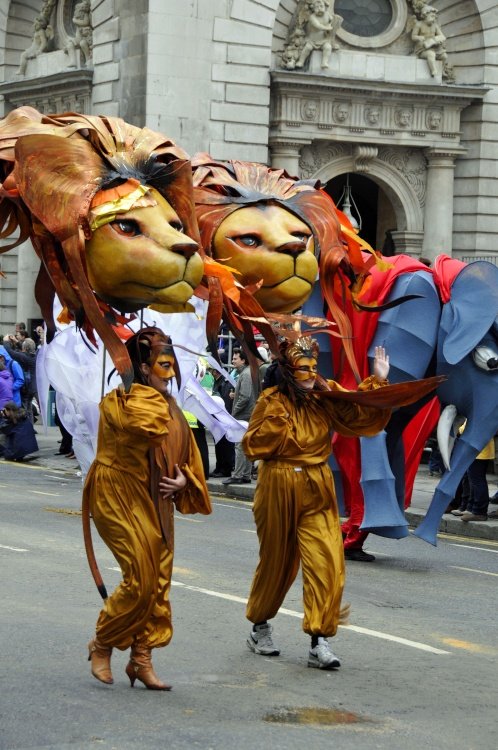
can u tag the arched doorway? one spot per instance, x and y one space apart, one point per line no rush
370 207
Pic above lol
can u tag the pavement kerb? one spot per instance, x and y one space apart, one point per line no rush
487 530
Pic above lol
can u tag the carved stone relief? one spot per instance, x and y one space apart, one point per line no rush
315 28
313 158
363 156
384 26
411 163
61 25
43 36
428 38
357 116
309 110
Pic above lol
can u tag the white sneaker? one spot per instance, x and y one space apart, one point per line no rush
260 640
322 657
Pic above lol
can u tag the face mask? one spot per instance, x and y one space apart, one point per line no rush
305 368
164 366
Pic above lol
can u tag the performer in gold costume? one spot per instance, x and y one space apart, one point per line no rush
147 460
295 507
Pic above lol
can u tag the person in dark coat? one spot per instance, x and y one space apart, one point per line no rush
19 433
224 449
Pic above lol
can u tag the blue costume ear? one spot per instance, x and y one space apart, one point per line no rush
471 311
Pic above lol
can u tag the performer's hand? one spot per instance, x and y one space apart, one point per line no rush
168 487
381 363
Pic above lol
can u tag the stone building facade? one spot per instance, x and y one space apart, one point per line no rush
413 139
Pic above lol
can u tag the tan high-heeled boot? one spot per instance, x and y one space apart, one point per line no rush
100 657
140 668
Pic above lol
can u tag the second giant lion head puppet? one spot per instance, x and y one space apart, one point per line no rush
109 210
277 232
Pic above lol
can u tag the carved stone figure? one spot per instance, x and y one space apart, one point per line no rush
404 117
82 39
434 119
42 36
341 112
372 115
310 110
292 51
430 42
316 27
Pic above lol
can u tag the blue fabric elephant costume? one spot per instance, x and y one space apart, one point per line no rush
450 327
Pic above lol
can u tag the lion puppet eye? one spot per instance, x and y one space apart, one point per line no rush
302 236
248 240
129 227
177 225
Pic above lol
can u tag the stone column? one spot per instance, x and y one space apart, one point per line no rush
408 243
438 214
285 155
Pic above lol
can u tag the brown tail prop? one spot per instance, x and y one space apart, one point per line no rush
87 536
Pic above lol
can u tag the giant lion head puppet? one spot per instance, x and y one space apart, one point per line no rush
109 210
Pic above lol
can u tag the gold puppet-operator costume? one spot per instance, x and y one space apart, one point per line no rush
295 506
143 435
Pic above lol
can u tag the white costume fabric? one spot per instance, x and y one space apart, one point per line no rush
81 375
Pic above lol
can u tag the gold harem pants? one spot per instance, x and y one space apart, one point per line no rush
297 521
138 611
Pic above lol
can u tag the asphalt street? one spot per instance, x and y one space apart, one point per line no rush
419 657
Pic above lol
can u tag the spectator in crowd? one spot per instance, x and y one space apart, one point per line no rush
6 381
273 374
39 334
27 359
66 443
463 497
477 509
20 438
21 337
16 371
224 449
265 356
244 400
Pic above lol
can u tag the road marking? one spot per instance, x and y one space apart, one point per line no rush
241 504
249 531
293 613
455 538
474 648
191 520
481 549
395 639
14 549
50 494
473 570
21 465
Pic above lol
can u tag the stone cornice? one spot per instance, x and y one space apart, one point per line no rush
317 108
309 83
65 80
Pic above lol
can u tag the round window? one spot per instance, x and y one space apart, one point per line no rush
364 18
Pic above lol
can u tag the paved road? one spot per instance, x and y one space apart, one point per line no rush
420 657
